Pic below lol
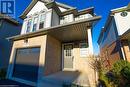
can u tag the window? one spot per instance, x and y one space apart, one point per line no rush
64 19
29 25
124 13
83 49
35 24
42 20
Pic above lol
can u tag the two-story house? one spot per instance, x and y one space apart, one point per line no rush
8 27
54 46
114 37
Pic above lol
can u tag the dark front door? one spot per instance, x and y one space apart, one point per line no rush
26 64
68 56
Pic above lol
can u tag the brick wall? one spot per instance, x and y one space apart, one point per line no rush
52 56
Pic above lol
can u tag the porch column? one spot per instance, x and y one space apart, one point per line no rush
90 42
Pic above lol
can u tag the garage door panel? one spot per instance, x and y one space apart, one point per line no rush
26 64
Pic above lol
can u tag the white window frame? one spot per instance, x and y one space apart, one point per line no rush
27 24
83 50
37 16
42 20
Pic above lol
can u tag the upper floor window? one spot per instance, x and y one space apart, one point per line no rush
42 20
29 25
35 21
64 19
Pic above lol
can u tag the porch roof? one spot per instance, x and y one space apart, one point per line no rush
72 31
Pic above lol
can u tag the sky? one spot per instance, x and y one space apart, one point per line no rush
101 8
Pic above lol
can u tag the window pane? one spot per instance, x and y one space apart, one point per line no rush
35 23
41 25
29 26
42 18
83 45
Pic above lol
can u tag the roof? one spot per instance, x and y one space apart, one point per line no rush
125 8
45 30
46 2
54 5
110 16
8 18
80 12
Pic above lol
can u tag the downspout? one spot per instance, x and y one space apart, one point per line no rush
122 50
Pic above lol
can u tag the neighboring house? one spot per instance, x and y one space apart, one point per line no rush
114 39
54 46
8 27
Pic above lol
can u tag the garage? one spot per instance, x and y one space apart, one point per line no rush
27 63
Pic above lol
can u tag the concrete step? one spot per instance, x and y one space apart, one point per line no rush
50 83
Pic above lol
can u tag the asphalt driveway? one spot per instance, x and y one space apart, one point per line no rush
10 83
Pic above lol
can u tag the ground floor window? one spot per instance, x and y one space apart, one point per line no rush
83 49
26 63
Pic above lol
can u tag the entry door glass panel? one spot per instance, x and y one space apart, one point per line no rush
68 56
26 64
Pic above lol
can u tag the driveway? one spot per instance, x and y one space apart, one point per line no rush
10 83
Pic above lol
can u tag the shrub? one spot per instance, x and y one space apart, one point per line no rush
121 72
118 76
2 73
125 72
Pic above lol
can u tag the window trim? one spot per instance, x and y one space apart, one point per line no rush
30 25
43 21
37 16
86 49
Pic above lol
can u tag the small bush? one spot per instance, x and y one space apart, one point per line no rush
2 73
121 72
118 76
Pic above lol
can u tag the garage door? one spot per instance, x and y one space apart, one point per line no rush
26 64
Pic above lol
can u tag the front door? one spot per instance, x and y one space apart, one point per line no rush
68 56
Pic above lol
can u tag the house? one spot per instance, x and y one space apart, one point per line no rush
54 46
114 37
8 27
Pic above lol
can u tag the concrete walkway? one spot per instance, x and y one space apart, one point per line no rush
65 77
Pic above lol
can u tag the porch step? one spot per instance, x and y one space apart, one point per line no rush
45 82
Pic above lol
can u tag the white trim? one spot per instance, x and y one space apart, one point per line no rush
36 16
87 49
118 8
122 50
90 42
63 69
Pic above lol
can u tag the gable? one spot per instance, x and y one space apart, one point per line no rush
39 6
62 9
